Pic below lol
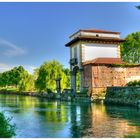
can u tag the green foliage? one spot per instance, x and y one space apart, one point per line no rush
124 65
6 129
130 50
47 74
43 78
133 83
17 77
11 77
67 73
78 81
26 83
138 7
36 73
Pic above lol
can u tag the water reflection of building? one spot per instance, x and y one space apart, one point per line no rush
80 120
106 123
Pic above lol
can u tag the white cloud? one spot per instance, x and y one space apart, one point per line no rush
30 68
11 49
4 67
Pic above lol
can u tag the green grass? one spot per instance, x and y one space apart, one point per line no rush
9 88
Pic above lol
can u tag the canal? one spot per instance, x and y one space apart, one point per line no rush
39 118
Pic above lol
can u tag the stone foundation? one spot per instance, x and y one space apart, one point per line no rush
97 93
123 96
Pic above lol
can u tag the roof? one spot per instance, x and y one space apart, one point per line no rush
104 61
95 38
96 31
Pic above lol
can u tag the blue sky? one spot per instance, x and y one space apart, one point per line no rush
31 33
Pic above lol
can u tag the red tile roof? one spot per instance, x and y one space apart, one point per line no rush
94 38
104 61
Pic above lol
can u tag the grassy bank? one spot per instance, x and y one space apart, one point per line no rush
78 97
8 89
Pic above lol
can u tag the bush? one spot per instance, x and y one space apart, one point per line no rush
133 83
6 129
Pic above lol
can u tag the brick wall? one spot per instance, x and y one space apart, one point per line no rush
101 76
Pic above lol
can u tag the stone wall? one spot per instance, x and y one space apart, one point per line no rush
98 93
103 76
98 77
123 95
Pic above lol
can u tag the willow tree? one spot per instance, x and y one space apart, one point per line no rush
130 49
27 82
47 74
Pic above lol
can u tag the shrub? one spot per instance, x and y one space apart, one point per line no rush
133 83
6 129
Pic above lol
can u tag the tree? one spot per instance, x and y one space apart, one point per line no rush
17 74
36 73
138 7
78 81
130 49
4 79
6 129
17 77
27 82
48 72
67 73
12 77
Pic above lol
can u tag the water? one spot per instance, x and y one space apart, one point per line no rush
39 118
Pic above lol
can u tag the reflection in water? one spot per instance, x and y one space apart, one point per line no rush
106 122
37 117
128 119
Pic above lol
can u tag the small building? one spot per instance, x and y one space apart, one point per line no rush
94 53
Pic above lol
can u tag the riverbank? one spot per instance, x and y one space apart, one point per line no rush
123 96
129 96
79 97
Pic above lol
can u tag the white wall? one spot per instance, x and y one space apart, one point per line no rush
92 51
100 34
